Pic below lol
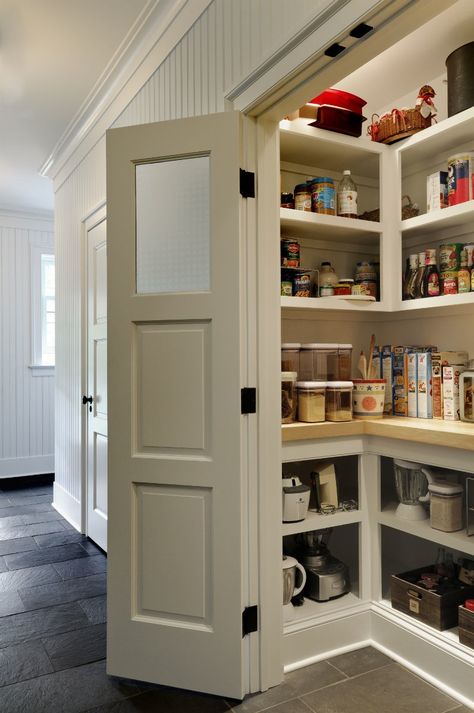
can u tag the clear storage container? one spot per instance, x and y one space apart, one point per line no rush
288 396
446 510
290 357
344 361
339 401
311 401
318 362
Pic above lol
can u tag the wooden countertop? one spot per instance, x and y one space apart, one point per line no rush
452 434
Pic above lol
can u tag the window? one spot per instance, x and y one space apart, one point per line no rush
43 311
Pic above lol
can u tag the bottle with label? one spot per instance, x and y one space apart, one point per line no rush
418 289
327 279
464 274
410 291
347 197
431 286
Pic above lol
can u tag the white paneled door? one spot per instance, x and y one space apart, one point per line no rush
178 463
95 400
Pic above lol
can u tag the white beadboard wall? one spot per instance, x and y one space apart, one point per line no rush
27 401
230 39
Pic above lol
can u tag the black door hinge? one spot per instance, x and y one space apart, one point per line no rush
361 30
249 620
334 50
247 184
248 400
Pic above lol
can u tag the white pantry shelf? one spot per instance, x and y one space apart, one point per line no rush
333 303
422 528
316 226
311 612
315 521
433 303
456 216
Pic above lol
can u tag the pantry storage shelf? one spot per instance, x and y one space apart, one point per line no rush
433 303
332 303
316 226
317 611
455 216
315 521
422 528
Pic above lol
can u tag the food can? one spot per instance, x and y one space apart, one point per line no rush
368 287
449 282
326 291
290 252
286 288
450 256
302 285
460 178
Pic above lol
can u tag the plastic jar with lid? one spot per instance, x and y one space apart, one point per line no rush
318 362
344 361
311 401
446 510
288 396
339 401
302 197
290 357
323 196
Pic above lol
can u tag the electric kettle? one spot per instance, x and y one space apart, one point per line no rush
295 499
291 569
466 406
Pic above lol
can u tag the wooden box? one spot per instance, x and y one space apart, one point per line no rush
466 627
439 611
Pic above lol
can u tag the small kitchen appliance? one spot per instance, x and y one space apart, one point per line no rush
295 499
291 569
326 577
411 482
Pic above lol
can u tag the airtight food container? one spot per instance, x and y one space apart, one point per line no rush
311 401
290 357
288 396
339 401
319 362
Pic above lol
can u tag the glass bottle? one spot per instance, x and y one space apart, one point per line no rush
431 286
464 275
327 279
411 286
419 275
347 197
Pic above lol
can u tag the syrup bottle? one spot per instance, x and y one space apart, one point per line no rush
431 286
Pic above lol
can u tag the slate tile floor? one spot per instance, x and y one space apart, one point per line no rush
52 638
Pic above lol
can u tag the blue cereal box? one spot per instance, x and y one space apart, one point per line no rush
424 385
412 383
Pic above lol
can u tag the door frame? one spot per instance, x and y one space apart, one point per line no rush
93 218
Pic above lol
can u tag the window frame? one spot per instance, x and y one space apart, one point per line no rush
38 365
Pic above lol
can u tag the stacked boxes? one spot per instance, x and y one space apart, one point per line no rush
446 385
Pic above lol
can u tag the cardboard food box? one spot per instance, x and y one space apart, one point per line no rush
438 360
451 392
400 380
424 386
466 626
386 359
412 383
437 191
437 610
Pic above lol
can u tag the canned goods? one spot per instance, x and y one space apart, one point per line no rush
450 256
302 285
286 289
449 281
290 252
460 178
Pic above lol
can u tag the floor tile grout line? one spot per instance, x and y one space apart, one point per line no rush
337 669
345 680
435 688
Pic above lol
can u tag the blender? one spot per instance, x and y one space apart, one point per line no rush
411 482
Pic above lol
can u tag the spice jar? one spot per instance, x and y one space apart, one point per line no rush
302 197
446 506
339 401
311 401
318 362
288 396
290 357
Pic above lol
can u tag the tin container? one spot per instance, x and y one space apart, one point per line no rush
302 284
289 252
449 282
450 256
460 178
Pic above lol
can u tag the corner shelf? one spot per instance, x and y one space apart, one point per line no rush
451 217
316 226
315 521
332 303
320 612
434 303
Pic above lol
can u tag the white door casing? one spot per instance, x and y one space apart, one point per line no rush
177 443
96 412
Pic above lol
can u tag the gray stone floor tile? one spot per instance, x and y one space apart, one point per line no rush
390 689
71 691
39 528
45 555
22 544
75 648
294 684
67 526
34 517
59 538
70 590
168 700
12 521
360 661
29 577
10 603
81 567
95 609
3 566
41 622
91 548
28 499
24 509
23 661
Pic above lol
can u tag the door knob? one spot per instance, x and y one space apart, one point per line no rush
88 400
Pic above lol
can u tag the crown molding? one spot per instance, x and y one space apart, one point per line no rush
157 30
27 220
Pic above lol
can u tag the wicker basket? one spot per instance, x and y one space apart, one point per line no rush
397 125
409 210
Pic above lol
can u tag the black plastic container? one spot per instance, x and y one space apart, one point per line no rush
460 65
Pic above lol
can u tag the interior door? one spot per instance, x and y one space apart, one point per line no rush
96 519
177 459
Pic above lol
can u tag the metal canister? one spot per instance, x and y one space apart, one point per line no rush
449 282
290 252
450 256
460 178
302 285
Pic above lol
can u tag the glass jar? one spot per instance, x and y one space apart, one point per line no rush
446 511
311 401
339 401
344 361
290 357
318 362
288 396
344 286
302 197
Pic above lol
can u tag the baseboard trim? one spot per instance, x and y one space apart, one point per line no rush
30 465
67 506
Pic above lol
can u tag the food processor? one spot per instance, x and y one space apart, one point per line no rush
411 482
326 576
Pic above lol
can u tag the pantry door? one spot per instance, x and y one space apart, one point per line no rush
177 455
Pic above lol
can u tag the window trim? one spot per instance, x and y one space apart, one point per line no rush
37 367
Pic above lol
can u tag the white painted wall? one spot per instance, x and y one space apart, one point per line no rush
27 401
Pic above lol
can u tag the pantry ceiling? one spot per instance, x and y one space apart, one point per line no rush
52 52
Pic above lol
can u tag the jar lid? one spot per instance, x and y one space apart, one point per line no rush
339 384
301 187
346 280
319 346
310 384
444 488
291 345
289 562
289 375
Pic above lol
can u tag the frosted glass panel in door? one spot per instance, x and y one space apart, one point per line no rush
172 224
